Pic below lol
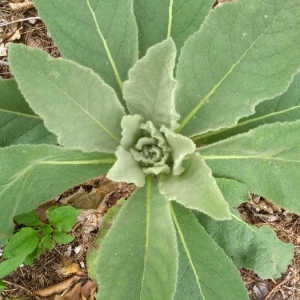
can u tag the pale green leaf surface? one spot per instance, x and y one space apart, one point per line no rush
126 169
140 250
32 175
205 271
181 146
18 123
99 34
29 219
283 108
149 92
266 159
21 243
73 101
195 188
245 52
158 20
9 265
249 247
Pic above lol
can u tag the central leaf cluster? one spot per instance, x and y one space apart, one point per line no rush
151 150
146 149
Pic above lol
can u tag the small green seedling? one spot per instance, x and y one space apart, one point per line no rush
33 239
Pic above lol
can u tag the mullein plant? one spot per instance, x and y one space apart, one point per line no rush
195 106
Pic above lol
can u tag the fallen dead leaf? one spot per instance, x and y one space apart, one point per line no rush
68 267
56 288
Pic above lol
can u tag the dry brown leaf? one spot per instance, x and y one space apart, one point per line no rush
21 6
56 288
15 36
82 199
16 1
73 293
3 50
68 267
88 290
90 220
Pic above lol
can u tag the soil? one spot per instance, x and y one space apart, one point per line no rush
19 23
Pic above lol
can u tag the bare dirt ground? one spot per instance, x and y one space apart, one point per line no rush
65 265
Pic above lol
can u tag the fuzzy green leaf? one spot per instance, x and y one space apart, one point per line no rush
64 218
18 123
266 159
32 175
106 222
74 102
245 52
249 247
158 20
205 272
284 108
101 35
195 188
139 252
149 92
21 243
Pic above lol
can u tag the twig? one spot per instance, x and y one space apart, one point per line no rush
277 286
20 20
20 287
4 63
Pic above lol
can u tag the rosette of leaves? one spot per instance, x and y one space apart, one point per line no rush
195 106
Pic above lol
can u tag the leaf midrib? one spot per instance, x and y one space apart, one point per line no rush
106 130
20 114
109 55
246 122
21 173
216 86
186 249
264 158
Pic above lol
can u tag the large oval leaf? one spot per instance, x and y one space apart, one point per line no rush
283 108
18 123
99 34
260 249
32 175
149 92
138 257
245 52
158 20
75 103
205 271
266 160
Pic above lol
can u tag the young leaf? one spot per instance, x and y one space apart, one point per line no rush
249 247
195 188
30 219
284 108
21 243
61 237
18 123
64 217
9 265
158 20
101 35
138 257
266 159
149 92
205 272
232 63
32 175
74 102
31 257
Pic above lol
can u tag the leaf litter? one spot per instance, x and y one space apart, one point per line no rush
61 273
